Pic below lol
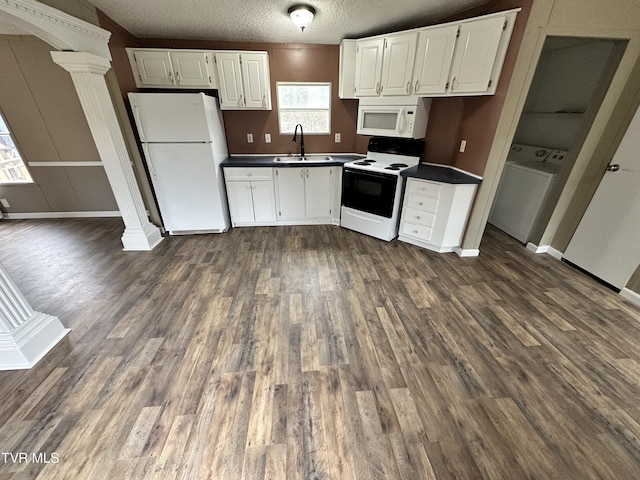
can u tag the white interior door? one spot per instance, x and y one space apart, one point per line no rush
606 242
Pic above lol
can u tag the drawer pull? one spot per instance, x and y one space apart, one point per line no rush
417 217
423 189
420 203
415 231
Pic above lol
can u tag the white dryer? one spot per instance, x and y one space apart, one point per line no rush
527 180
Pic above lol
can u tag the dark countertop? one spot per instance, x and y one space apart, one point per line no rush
267 161
439 173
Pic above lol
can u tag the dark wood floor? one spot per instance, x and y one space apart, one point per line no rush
316 353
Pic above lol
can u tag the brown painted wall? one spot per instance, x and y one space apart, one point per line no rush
120 39
473 119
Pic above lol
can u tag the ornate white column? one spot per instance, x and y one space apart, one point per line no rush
87 72
25 335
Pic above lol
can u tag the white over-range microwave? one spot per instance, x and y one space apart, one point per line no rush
403 117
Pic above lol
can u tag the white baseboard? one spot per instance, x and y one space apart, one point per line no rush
467 252
549 250
35 215
630 295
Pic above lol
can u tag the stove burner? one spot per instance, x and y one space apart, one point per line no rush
392 167
362 163
370 161
398 165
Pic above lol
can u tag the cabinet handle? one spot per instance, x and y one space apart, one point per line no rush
378 88
417 217
417 86
453 83
249 174
415 231
241 100
420 203
423 188
171 78
301 172
264 100
178 78
408 87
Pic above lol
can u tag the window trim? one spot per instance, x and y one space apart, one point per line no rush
9 134
280 108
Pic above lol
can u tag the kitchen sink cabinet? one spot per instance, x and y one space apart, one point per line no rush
172 68
384 65
306 194
434 214
251 196
243 80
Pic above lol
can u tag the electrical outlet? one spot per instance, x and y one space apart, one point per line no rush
5 203
249 137
267 137
338 138
463 145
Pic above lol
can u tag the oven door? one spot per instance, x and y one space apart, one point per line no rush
369 192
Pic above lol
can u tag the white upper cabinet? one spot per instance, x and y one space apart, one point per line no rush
397 63
369 67
243 80
475 55
172 68
457 58
433 60
191 68
384 65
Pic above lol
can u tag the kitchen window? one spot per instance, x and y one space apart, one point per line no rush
12 168
306 103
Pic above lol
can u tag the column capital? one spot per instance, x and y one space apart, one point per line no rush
82 62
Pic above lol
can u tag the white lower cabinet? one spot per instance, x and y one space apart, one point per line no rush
434 214
251 196
299 195
306 194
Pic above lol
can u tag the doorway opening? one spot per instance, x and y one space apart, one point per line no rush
571 79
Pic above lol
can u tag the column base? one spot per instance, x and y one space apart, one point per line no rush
144 239
25 346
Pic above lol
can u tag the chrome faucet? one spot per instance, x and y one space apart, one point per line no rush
295 138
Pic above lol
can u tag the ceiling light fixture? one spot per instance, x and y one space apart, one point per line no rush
302 15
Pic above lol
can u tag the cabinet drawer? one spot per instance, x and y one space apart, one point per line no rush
427 204
248 173
419 231
419 217
424 188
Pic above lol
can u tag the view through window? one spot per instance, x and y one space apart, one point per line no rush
12 168
306 103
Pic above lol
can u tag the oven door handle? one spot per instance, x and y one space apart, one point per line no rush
401 121
364 173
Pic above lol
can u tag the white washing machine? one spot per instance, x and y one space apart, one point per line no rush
527 181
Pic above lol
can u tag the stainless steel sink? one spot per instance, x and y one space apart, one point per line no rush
306 158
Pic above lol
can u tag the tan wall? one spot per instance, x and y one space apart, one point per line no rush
40 104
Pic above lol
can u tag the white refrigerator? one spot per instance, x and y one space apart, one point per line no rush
183 139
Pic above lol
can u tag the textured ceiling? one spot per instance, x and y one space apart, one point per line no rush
267 20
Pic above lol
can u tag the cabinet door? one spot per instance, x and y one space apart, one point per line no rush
475 55
256 82
240 202
397 65
290 193
230 91
191 69
369 67
433 59
264 201
318 196
154 68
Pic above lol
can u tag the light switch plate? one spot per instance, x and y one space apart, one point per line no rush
463 145
5 203
267 137
338 137
249 137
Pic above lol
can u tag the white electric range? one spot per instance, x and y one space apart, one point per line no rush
372 187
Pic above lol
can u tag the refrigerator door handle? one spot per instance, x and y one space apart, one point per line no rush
136 114
145 147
